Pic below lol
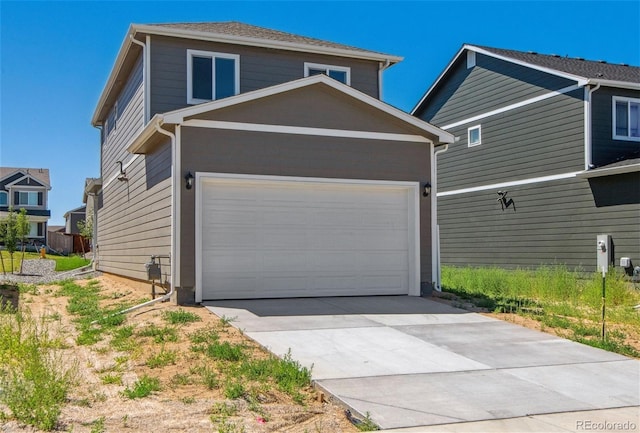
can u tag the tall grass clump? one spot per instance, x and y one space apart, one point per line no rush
546 284
34 380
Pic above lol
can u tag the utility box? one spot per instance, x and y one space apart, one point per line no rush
153 271
603 251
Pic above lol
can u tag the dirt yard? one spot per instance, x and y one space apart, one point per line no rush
184 403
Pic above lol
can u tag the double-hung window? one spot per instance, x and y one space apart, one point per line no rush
211 76
4 198
626 118
339 73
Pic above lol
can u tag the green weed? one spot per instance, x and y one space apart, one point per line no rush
33 377
180 317
142 387
160 335
162 359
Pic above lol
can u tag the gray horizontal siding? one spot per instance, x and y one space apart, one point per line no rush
536 140
491 84
259 68
554 222
605 148
135 219
129 123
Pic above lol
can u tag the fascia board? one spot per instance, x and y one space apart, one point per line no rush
42 183
622 169
618 84
178 116
265 43
149 130
122 54
437 81
580 80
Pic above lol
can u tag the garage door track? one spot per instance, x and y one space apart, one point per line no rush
413 363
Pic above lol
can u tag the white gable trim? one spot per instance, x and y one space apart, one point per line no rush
580 80
41 184
302 130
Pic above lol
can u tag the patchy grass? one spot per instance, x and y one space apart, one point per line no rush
180 317
569 302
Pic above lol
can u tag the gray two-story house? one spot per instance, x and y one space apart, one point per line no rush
263 164
27 188
546 158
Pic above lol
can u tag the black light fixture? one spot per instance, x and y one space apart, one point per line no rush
189 180
426 189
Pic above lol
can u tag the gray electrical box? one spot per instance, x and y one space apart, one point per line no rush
153 271
603 250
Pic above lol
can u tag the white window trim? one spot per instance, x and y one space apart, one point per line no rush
328 68
469 143
213 55
614 100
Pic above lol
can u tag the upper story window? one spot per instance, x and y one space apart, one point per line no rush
4 200
339 73
211 76
626 118
28 198
474 136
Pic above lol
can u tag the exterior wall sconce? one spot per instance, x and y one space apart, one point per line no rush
188 180
426 190
122 177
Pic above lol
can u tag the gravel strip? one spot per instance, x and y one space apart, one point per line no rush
42 271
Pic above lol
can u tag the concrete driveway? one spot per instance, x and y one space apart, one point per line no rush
420 365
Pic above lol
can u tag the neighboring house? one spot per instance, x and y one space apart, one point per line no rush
27 188
546 158
72 218
264 164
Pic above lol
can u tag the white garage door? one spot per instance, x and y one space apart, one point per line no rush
297 237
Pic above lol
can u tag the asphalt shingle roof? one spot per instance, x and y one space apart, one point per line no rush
234 28
41 174
576 66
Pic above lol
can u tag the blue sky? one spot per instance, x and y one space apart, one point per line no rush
55 57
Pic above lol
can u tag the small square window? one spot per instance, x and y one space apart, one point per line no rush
474 136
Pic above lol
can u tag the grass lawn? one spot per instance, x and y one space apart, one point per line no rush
62 263
568 302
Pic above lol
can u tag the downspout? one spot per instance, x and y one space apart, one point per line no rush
435 229
588 129
168 295
382 66
145 80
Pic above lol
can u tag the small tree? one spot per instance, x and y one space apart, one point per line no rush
23 227
10 235
86 230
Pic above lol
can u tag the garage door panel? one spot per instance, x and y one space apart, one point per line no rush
291 239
